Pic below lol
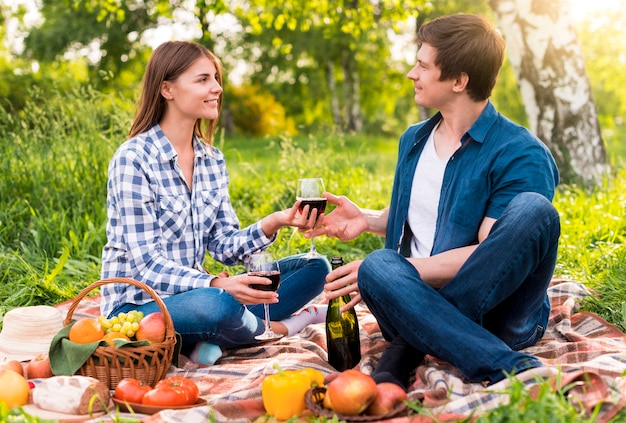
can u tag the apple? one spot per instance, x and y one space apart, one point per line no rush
351 392
39 367
14 365
14 389
152 328
388 395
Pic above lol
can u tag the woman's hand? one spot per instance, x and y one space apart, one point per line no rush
239 287
291 217
342 281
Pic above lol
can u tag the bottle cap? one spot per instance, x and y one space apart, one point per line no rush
336 261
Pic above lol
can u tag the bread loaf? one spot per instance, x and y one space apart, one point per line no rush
71 395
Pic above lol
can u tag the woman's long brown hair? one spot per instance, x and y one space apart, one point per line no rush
167 62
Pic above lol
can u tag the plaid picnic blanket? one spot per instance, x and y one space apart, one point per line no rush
576 345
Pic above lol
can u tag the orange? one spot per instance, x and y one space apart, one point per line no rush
109 337
86 330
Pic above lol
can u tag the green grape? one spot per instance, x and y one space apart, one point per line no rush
124 323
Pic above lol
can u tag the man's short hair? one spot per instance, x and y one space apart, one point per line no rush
467 44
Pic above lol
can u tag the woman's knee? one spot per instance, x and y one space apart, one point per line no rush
208 307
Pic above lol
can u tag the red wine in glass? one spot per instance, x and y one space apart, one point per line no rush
262 264
309 192
313 203
272 276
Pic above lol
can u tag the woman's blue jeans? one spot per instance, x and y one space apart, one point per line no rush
496 305
213 315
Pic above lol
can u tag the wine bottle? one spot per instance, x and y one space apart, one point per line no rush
342 331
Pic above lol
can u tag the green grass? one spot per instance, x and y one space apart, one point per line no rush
53 161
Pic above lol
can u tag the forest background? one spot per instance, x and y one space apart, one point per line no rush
70 78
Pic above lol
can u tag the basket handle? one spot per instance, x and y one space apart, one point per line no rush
169 324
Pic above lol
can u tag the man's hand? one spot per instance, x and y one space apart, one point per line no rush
345 222
342 281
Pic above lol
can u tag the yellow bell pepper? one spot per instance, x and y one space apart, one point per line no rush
283 392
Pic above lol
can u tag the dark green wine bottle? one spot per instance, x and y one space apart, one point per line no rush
342 331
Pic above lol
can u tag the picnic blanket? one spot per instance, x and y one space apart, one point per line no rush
576 344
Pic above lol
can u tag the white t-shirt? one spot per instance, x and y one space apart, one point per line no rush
425 192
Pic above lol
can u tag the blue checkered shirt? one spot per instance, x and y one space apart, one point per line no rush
158 230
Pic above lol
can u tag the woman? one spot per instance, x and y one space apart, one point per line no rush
168 204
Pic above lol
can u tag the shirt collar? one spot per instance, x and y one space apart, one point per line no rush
483 124
168 152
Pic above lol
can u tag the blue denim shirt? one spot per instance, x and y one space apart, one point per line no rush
497 160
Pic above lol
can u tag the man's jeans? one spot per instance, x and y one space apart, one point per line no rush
213 315
496 304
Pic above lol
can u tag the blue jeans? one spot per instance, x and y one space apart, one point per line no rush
213 315
496 305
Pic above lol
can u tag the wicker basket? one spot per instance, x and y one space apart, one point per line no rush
148 363
314 398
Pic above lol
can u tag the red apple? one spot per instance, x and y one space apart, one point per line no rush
388 395
350 393
14 365
152 328
39 367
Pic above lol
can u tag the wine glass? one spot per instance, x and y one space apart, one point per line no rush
263 265
309 192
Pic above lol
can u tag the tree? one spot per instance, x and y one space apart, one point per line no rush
111 27
544 51
317 53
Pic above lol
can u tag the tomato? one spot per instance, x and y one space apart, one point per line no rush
173 391
130 390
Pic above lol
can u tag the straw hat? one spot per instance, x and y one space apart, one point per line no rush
28 331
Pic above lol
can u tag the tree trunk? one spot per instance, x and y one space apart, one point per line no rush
354 120
544 51
332 89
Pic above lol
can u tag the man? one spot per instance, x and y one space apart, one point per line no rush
471 234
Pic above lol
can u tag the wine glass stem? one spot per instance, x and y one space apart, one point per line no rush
313 249
267 318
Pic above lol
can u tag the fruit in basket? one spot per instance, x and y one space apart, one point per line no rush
124 323
130 390
14 365
86 330
14 389
152 328
350 393
109 337
388 395
39 367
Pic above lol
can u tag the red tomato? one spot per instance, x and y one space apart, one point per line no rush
130 390
173 391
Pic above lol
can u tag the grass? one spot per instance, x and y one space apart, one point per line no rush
53 161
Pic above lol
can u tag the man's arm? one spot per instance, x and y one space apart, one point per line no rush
437 270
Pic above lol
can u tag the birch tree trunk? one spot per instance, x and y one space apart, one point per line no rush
544 51
354 120
332 89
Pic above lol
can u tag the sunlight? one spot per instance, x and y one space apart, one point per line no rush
580 9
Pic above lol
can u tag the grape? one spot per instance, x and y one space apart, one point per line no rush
124 323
